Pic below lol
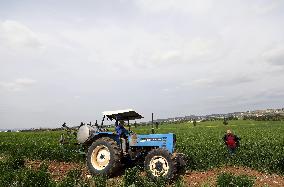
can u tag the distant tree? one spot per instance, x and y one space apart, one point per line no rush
157 125
194 122
225 122
231 117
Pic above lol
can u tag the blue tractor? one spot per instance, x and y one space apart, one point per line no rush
108 152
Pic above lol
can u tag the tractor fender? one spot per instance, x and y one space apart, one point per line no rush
94 136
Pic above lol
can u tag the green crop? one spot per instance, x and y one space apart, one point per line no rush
261 146
230 180
37 146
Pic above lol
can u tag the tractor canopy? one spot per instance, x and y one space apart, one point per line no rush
127 114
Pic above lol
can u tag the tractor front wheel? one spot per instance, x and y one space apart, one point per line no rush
104 157
160 163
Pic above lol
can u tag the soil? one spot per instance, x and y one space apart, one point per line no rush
209 177
59 170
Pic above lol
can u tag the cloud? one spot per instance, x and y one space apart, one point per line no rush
225 80
266 6
183 51
25 81
16 35
189 50
77 97
17 85
136 48
191 6
275 56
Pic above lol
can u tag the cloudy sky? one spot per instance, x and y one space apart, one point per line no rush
71 60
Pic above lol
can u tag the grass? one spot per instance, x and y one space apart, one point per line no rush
261 144
261 147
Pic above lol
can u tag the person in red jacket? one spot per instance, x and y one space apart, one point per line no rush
232 141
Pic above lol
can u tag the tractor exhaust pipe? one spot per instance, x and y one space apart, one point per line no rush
153 130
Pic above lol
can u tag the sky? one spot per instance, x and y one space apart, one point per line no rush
68 61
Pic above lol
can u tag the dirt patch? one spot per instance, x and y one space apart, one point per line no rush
58 170
209 177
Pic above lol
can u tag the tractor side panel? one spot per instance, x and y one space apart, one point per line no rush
165 141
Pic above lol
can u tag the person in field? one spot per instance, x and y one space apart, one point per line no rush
122 133
232 141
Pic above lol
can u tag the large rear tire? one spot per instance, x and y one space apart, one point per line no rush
104 157
160 163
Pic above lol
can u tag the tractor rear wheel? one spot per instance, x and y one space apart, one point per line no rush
104 157
160 163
